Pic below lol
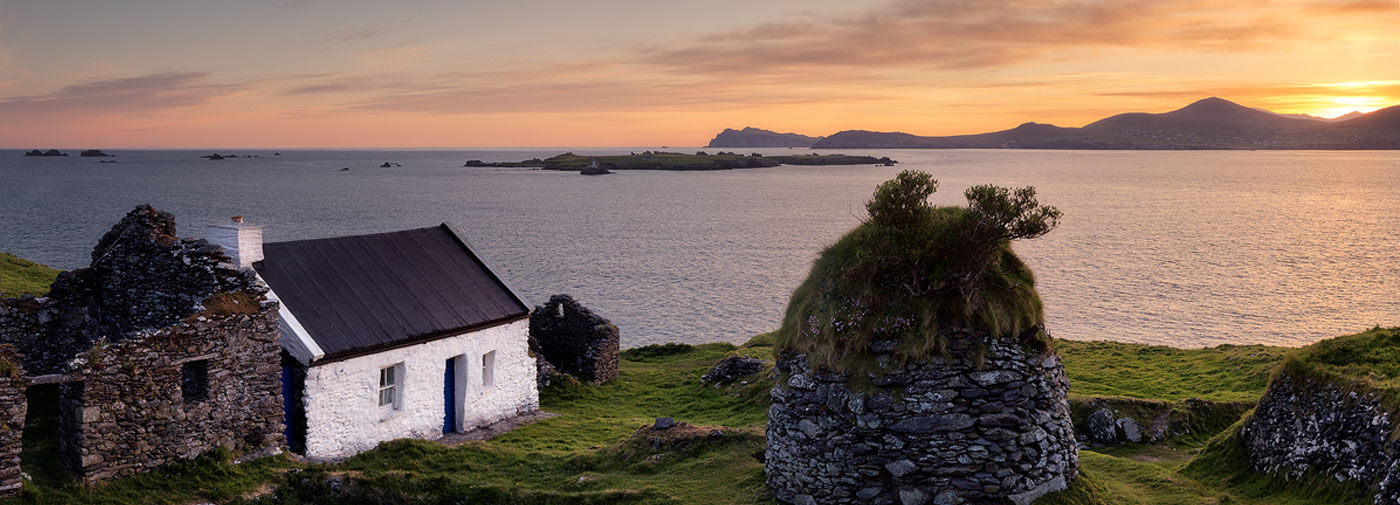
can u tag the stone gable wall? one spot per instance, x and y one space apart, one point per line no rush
575 340
128 414
1304 426
937 432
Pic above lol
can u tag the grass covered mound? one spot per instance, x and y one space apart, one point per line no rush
1367 361
23 277
913 271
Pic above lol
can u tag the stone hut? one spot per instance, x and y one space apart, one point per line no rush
908 373
939 431
163 349
574 340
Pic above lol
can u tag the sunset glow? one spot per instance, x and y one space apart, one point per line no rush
306 73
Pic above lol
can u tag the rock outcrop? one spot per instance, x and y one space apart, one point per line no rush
941 431
49 153
95 153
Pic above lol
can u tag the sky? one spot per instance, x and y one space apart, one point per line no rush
542 73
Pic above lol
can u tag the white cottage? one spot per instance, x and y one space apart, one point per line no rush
391 335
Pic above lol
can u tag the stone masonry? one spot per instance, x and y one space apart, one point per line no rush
12 410
575 340
175 393
1305 426
942 432
165 350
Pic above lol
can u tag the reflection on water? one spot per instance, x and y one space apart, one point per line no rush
1179 248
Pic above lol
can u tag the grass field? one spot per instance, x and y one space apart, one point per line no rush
597 451
23 277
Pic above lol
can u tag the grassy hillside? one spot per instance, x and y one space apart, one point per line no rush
1225 373
23 277
598 450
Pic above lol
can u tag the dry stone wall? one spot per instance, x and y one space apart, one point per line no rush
12 410
941 432
171 394
27 324
1304 426
574 340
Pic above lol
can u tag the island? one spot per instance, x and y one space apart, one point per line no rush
758 137
49 153
658 160
95 153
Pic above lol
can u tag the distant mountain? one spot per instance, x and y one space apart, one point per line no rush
755 137
1212 123
1342 117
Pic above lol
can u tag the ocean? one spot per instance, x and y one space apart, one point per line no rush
1188 249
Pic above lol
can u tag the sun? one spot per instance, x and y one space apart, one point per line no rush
1342 105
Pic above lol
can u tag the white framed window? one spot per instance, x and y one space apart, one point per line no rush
390 388
488 369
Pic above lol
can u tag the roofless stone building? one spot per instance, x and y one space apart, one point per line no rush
914 367
166 348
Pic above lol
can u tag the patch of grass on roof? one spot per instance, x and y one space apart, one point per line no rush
912 271
19 276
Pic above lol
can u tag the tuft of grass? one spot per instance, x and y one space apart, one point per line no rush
1226 373
228 304
19 276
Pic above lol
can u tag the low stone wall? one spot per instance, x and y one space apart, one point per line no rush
1304 426
171 394
13 407
938 432
575 340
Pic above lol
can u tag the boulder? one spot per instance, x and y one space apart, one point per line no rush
1103 428
1130 430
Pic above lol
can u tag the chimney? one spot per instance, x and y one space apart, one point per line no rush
241 241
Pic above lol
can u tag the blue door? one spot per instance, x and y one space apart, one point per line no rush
293 413
449 396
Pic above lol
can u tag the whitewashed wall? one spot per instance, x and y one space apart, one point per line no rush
342 409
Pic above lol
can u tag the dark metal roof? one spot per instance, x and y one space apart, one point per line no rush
362 294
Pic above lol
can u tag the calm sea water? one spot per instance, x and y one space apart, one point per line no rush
1180 248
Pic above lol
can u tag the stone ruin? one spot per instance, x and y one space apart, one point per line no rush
944 431
568 337
163 351
1304 425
